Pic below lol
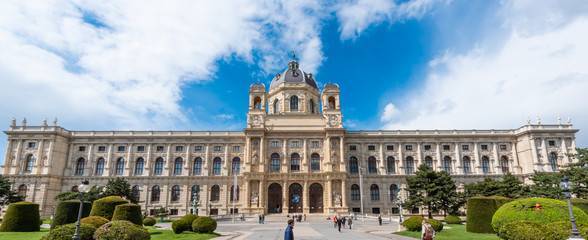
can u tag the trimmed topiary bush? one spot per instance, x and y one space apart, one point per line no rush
95 221
179 226
524 230
149 221
580 203
451 219
204 225
413 223
563 230
130 212
436 224
66 232
190 219
67 212
105 207
21 217
121 230
480 212
524 209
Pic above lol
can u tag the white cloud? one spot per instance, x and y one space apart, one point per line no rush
541 74
225 116
390 113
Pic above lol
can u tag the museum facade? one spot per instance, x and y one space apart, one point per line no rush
294 156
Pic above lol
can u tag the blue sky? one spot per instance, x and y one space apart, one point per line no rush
187 65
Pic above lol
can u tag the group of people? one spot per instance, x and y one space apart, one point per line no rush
340 221
261 218
298 218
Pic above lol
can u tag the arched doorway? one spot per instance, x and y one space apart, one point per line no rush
295 198
274 198
316 198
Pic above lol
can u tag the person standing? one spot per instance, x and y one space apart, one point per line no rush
289 234
380 219
427 232
259 218
350 222
305 217
335 222
339 224
262 219
343 222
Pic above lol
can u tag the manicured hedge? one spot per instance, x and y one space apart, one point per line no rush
180 225
413 223
21 217
190 219
451 219
580 203
149 221
563 230
480 212
67 212
204 225
66 232
130 212
524 230
105 207
121 230
524 209
95 221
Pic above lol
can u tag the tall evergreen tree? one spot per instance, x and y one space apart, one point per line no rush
432 190
545 185
577 173
119 187
7 195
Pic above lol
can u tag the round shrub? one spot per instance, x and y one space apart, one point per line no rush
104 207
204 225
66 232
480 212
179 226
121 230
580 203
149 221
563 230
524 230
451 219
436 224
95 221
67 212
130 212
21 217
413 223
524 209
190 219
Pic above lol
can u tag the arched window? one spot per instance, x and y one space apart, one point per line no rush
485 164
216 166
215 193
409 165
175 194
354 192
234 197
29 163
374 192
294 103
311 106
155 191
466 164
331 103
195 192
80 166
275 162
139 166
120 166
504 164
137 192
22 191
390 166
447 164
372 168
295 162
276 106
429 161
100 166
257 103
353 167
236 166
553 161
159 166
315 162
198 166
393 192
178 165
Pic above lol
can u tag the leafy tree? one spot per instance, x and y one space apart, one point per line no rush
7 195
119 187
545 185
160 213
577 172
94 194
432 190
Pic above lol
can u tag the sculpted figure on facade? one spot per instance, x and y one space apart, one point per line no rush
334 159
336 197
254 197
24 122
55 122
255 160
13 123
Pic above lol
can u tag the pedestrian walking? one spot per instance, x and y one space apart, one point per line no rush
350 222
380 219
262 219
335 222
305 217
339 224
289 234
427 232
259 218
343 222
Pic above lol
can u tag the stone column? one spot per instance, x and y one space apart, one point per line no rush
344 194
247 194
401 169
207 161
382 163
305 166
439 159
8 157
342 157
458 161
515 159
148 161
69 162
228 169
496 162
534 154
187 165
262 196
476 162
129 161
89 169
419 159
305 197
285 197
262 160
18 157
326 159
329 195
544 155
564 150
285 166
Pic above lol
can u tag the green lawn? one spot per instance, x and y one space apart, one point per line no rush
24 235
157 234
456 232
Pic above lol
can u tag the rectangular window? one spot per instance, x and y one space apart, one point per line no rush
395 210
390 147
82 148
236 148
465 147
295 144
551 143
198 148
217 148
408 147
275 143
446 147
371 147
151 212
31 144
315 144
101 148
427 147
121 148
502 147
354 210
160 148
352 148
173 212
375 210
179 148
415 211
484 147
140 148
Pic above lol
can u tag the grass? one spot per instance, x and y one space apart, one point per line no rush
46 220
23 235
457 232
157 234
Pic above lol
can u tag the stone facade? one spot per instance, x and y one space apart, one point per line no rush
294 156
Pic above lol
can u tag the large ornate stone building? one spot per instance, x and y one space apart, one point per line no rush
294 156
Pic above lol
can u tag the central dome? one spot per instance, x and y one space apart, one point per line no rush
293 74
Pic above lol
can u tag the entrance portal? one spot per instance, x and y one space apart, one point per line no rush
295 198
316 198
274 198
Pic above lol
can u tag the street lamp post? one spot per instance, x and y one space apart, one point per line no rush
361 190
400 208
83 188
566 186
195 199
